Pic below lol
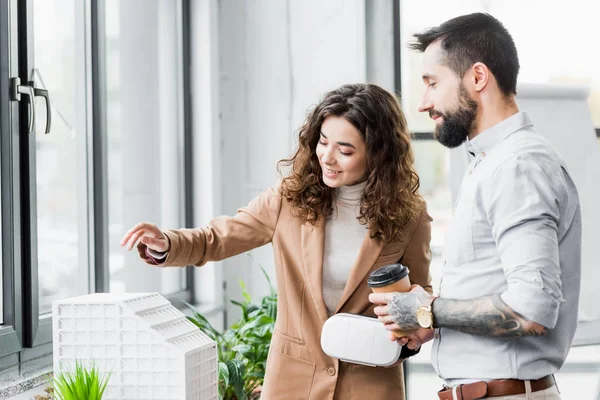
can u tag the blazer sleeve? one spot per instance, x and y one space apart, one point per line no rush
253 226
417 255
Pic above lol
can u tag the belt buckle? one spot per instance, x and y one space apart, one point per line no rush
443 390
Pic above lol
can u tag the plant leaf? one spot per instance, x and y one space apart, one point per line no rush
223 379
244 349
80 383
201 322
236 378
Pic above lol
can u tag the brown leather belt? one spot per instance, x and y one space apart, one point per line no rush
496 388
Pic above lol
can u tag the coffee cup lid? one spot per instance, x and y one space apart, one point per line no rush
387 275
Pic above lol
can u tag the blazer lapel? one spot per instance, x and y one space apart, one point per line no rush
313 242
367 256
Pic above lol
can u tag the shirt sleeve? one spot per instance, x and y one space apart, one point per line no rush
523 202
157 255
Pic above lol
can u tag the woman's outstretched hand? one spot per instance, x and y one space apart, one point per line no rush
148 234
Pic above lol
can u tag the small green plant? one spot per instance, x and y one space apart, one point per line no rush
243 348
80 384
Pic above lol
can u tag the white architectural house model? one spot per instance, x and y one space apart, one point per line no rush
149 347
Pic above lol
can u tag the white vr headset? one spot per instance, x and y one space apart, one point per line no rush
360 340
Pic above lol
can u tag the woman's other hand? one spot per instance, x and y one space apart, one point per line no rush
149 235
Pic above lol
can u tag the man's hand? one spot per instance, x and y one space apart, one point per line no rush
398 311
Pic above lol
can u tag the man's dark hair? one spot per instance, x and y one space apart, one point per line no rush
475 38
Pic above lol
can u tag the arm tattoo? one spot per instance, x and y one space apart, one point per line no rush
485 316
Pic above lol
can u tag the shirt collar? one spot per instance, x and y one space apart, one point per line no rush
487 139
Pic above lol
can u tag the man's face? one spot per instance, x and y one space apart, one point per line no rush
446 100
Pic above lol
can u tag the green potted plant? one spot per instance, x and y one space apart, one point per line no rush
243 348
82 383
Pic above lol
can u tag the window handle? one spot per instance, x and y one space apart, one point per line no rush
16 90
44 93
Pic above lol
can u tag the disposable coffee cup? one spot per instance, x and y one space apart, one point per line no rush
391 278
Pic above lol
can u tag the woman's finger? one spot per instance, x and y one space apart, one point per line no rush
141 226
402 341
130 232
134 238
413 344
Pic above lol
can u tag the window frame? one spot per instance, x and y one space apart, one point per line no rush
25 335
11 330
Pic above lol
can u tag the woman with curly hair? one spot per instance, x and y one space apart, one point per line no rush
349 204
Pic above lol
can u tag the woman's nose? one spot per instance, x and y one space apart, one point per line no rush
328 158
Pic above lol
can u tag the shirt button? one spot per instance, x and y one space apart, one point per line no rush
437 335
331 371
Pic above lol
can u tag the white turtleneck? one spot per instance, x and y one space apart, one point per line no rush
343 238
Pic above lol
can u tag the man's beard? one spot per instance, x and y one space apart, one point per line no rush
457 125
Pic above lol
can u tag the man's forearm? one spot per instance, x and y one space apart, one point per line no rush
486 316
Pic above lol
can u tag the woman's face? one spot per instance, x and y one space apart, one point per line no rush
342 153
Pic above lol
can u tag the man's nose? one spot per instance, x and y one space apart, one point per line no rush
425 105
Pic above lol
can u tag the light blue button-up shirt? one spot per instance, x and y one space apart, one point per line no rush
515 231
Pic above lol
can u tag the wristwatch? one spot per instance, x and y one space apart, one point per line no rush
425 315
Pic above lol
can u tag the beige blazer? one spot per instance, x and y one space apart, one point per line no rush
297 368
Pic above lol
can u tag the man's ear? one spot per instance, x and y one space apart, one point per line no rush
480 75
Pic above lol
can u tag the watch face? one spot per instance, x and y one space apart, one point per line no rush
424 317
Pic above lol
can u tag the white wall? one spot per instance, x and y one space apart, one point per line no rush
275 60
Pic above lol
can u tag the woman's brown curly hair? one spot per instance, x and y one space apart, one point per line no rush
391 200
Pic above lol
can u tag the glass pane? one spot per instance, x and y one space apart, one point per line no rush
431 163
145 134
556 58
61 157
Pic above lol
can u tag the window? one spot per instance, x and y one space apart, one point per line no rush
145 135
62 159
111 74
